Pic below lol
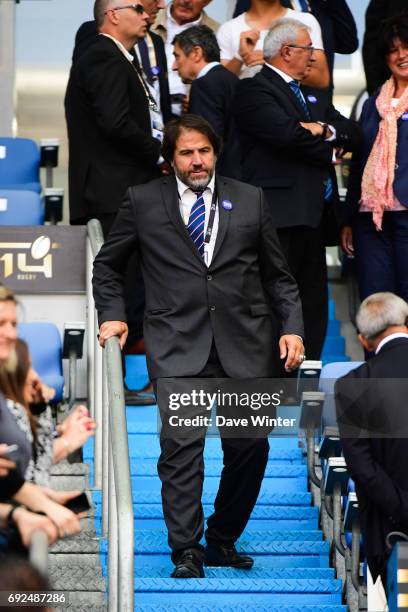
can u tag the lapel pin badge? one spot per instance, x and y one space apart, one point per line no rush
312 99
226 204
404 117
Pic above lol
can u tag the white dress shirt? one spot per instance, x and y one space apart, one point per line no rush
389 338
187 199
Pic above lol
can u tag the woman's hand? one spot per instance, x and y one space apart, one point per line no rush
66 521
27 522
346 240
75 430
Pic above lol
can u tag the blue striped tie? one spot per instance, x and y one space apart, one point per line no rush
196 222
296 90
304 5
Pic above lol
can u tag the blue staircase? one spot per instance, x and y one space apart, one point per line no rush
291 571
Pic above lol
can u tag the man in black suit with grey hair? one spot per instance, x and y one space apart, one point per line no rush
373 422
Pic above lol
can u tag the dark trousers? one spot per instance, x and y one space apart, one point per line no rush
305 252
181 471
382 257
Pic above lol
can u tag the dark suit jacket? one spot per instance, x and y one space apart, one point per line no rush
289 163
187 304
367 395
369 122
88 34
375 67
109 130
339 30
211 97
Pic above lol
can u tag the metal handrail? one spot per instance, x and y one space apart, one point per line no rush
112 466
38 551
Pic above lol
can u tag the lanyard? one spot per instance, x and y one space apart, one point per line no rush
210 225
151 102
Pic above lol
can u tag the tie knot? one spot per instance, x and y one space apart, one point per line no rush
294 85
198 193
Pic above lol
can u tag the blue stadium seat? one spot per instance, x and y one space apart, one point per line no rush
328 376
21 208
19 164
44 342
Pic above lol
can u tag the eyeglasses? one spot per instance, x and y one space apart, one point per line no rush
308 48
138 8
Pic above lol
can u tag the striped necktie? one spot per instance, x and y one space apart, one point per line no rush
196 220
296 90
304 5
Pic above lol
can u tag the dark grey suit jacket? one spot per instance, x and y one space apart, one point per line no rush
187 304
373 396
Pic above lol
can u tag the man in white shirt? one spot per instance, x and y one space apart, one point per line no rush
213 272
180 15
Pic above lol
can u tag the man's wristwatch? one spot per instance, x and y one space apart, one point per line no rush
326 130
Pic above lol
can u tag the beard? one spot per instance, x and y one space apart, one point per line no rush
196 184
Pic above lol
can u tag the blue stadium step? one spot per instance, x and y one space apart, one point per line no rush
241 592
334 345
269 485
147 447
258 571
267 562
213 468
180 606
289 499
333 327
150 544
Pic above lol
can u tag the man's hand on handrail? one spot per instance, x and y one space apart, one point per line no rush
113 328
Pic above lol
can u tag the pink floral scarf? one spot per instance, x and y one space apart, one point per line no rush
377 192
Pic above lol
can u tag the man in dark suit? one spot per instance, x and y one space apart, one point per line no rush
290 136
197 60
339 30
375 66
153 62
111 144
373 423
213 272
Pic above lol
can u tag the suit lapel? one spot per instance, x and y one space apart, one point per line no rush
171 204
275 79
223 193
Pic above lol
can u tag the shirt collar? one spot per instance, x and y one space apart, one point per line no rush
388 339
125 52
207 69
182 187
283 75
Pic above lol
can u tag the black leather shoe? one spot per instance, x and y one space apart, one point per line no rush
135 398
226 556
188 565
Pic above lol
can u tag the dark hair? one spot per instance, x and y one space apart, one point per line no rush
199 36
395 27
12 384
187 122
100 7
